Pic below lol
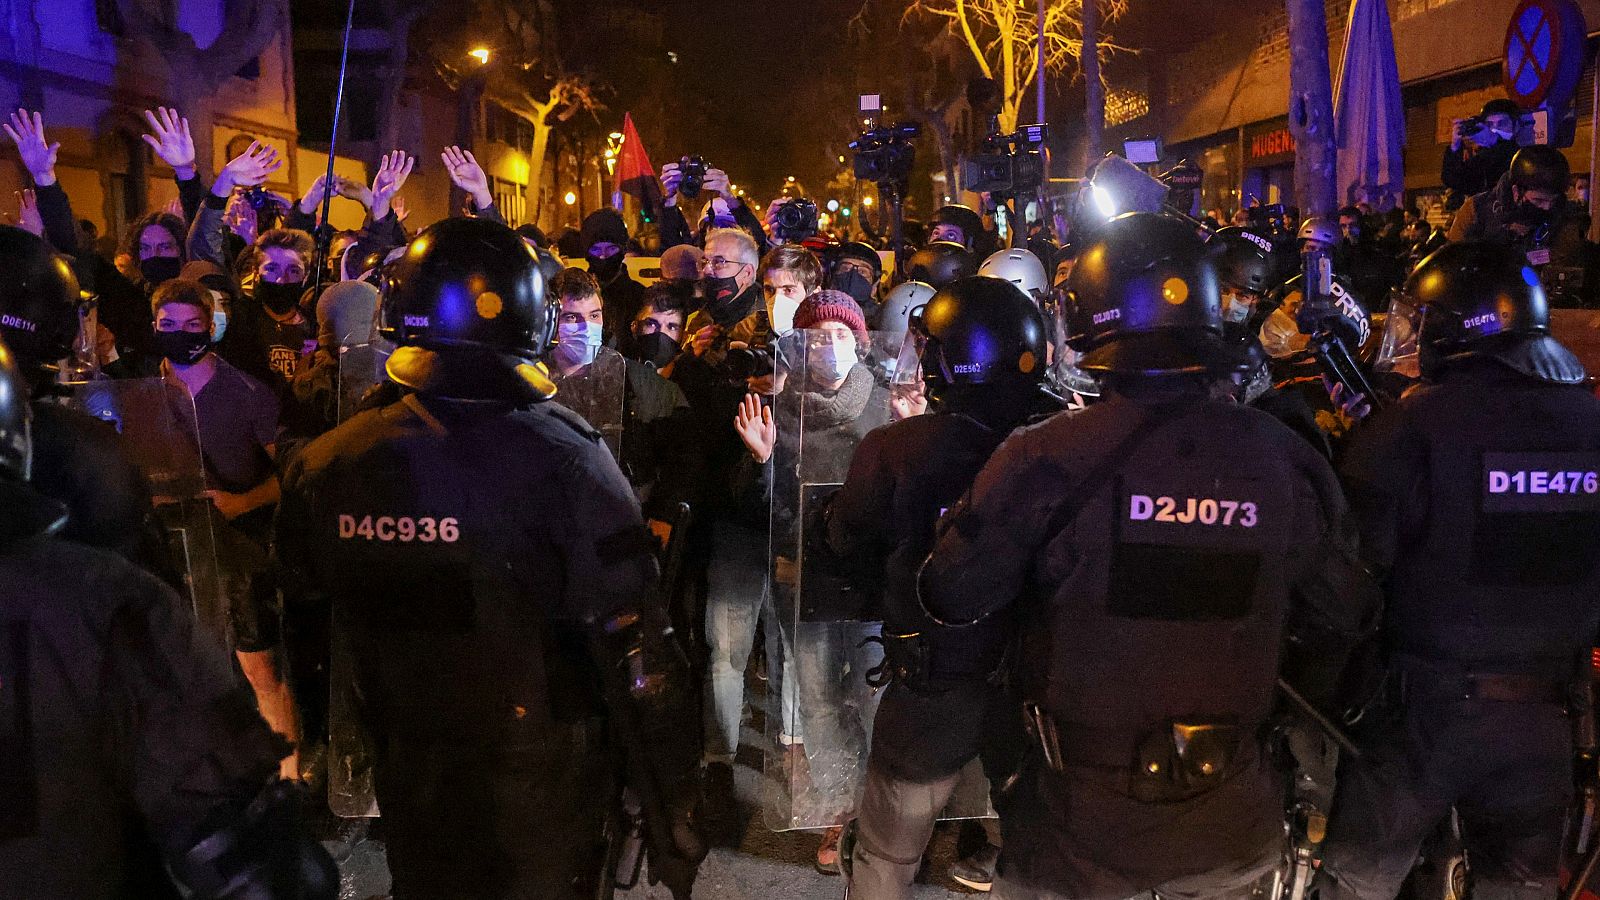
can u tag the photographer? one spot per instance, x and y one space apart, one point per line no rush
686 179
1492 134
1528 209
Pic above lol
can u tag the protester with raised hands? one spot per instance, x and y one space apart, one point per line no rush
174 145
466 174
26 130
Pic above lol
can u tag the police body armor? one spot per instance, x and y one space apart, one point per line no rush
447 596
1157 652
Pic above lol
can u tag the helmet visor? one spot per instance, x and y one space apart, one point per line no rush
908 365
1401 327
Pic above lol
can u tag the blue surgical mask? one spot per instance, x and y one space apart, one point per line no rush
832 361
219 325
580 341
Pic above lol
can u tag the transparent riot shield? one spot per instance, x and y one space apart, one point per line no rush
156 421
595 393
361 368
830 398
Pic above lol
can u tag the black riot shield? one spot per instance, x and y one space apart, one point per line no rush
156 421
829 399
360 370
595 392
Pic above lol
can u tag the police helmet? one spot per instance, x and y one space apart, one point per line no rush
1540 167
38 299
1481 298
1321 228
16 444
942 262
982 331
1245 260
903 300
962 217
1144 300
550 265
1021 268
468 307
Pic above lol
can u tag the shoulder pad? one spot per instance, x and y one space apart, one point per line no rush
570 419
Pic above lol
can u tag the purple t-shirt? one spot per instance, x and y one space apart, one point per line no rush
238 419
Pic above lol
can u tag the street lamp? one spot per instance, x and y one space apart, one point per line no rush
481 54
866 201
570 199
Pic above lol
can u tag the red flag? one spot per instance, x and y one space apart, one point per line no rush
634 173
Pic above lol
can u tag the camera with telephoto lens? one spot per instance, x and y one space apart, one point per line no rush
750 362
259 199
1009 164
885 155
693 169
796 219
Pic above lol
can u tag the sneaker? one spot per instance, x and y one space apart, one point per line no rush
977 870
828 852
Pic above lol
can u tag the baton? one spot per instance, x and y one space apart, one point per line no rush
1326 724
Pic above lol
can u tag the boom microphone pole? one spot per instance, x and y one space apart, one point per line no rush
324 238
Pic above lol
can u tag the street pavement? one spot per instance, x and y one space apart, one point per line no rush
750 862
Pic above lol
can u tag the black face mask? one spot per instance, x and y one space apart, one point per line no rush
182 348
607 268
853 283
719 291
156 269
279 298
1529 214
656 349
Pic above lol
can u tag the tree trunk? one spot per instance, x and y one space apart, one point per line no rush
1094 113
536 163
1311 108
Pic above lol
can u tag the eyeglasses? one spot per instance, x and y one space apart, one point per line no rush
718 263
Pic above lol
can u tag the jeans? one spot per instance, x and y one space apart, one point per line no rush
737 597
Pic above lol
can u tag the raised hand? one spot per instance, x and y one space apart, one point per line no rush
671 179
393 170
38 155
316 193
28 218
756 428
398 204
172 142
468 175
248 169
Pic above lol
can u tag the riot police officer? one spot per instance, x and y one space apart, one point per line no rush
76 458
1476 494
983 357
489 569
132 747
1153 583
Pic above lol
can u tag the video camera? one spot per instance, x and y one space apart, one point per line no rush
796 219
1009 164
693 169
1267 218
885 155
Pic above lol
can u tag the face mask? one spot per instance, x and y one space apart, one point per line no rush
219 325
1280 335
157 269
580 341
831 362
1528 213
1502 135
783 309
279 298
655 348
606 268
853 283
183 348
719 291
1236 306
